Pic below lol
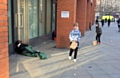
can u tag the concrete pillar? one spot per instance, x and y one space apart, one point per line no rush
65 24
81 15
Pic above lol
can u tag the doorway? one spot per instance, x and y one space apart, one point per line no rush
21 20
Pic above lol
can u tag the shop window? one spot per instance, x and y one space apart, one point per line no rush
41 17
33 18
48 16
9 21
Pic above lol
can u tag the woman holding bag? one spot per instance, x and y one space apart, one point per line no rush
74 36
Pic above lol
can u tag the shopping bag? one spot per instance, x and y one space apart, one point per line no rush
73 45
94 42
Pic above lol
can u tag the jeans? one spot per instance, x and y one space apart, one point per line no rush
118 27
98 38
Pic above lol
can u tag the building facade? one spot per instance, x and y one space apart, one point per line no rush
4 64
33 22
81 11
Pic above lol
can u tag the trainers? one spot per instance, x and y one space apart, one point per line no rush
69 57
98 43
74 60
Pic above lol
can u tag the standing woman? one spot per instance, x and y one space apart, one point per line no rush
118 25
74 35
98 33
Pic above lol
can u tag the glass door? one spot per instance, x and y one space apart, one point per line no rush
20 20
54 6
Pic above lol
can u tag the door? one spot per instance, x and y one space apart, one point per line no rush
20 24
54 7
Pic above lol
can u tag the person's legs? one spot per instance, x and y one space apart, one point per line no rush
108 24
71 51
75 54
118 28
102 24
99 35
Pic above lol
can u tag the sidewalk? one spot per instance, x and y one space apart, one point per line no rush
100 61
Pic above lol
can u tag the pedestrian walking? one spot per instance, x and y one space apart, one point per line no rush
118 25
74 36
96 21
102 22
105 20
98 33
109 21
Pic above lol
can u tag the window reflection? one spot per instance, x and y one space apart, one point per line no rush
41 18
33 21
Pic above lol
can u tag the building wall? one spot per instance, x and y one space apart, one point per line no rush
81 11
65 25
82 15
4 64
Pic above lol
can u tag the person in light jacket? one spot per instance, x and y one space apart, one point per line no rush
74 35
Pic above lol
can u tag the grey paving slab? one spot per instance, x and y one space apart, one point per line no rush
97 72
115 76
83 76
101 76
81 73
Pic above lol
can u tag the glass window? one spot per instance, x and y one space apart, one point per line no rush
48 17
53 17
33 18
9 21
41 17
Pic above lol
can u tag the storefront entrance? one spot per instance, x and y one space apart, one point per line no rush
20 22
31 21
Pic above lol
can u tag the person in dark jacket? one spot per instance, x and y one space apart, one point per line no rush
105 20
25 49
102 22
109 21
118 25
96 21
98 33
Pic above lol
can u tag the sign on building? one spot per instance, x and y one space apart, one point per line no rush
65 14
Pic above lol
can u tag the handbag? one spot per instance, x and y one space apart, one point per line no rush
94 42
73 45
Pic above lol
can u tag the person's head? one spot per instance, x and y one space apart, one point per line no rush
97 25
75 25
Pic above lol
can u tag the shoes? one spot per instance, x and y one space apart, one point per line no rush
75 60
98 42
69 57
